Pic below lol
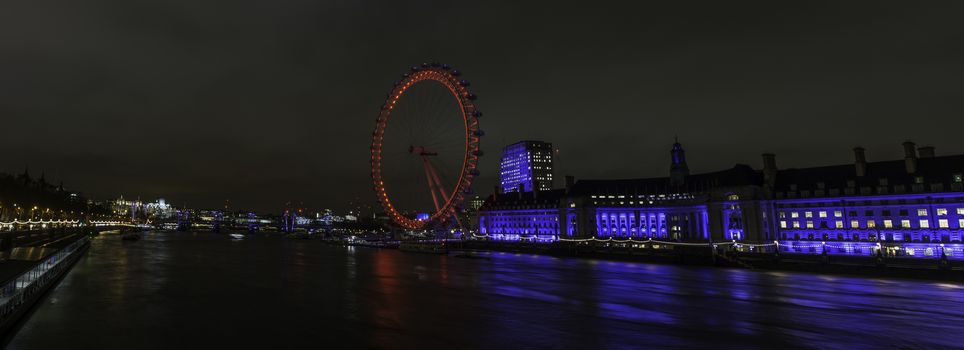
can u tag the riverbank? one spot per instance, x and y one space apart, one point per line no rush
31 268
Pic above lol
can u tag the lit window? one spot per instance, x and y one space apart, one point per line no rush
941 211
925 224
958 178
854 224
809 224
796 224
960 223
960 211
888 224
837 214
783 224
839 224
921 212
871 224
942 223
794 215
808 214
823 214
905 223
783 215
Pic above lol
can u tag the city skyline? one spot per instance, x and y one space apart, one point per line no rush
265 107
184 174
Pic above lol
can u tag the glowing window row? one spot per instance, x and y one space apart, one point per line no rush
838 213
941 223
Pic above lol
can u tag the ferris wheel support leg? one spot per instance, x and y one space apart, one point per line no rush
431 184
440 187
438 183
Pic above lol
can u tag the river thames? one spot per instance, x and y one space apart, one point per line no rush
200 290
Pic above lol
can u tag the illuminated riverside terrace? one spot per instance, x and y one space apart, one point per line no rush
203 290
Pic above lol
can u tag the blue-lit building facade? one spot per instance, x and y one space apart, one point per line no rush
526 166
906 207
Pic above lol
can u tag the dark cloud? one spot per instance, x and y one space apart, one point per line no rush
265 102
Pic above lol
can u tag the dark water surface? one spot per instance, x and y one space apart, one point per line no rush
202 290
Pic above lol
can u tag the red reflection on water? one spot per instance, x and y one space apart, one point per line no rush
387 297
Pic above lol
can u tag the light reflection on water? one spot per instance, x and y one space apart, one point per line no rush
196 290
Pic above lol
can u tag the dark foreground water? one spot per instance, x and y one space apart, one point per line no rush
201 290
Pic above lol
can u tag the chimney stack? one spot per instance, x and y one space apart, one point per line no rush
926 152
769 169
910 157
769 161
860 161
570 180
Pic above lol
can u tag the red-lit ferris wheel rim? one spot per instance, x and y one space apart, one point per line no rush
450 79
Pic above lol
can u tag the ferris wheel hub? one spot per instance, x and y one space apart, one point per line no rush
421 151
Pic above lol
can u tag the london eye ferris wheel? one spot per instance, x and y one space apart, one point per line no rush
425 147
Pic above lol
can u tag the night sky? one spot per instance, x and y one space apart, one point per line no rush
265 102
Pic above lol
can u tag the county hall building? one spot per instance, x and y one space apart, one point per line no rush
912 206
